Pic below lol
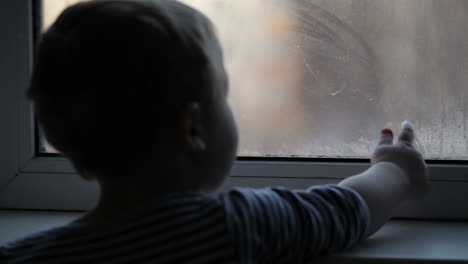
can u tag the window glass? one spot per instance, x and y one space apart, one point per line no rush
320 78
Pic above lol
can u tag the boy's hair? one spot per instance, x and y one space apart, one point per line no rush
110 76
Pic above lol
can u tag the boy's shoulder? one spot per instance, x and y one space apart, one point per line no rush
158 223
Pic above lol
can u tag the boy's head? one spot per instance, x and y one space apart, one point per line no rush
123 87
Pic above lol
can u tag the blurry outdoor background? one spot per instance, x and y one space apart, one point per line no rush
321 78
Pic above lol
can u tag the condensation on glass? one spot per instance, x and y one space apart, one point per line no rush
320 78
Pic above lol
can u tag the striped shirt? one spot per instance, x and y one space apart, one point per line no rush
271 225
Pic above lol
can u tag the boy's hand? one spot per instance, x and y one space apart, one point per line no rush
403 154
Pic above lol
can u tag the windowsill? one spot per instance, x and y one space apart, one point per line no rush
411 242
398 242
16 224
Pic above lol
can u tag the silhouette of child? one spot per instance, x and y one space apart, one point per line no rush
134 94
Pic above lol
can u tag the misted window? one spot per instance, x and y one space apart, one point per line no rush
320 78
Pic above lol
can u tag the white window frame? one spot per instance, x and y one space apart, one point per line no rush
28 181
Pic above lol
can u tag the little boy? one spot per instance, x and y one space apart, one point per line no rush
134 93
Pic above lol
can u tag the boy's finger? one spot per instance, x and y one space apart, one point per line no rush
386 137
407 134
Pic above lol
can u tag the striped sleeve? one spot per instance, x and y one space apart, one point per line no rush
277 225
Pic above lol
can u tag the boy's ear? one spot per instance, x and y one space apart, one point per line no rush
191 128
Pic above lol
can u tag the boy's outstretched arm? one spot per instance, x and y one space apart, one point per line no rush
398 173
